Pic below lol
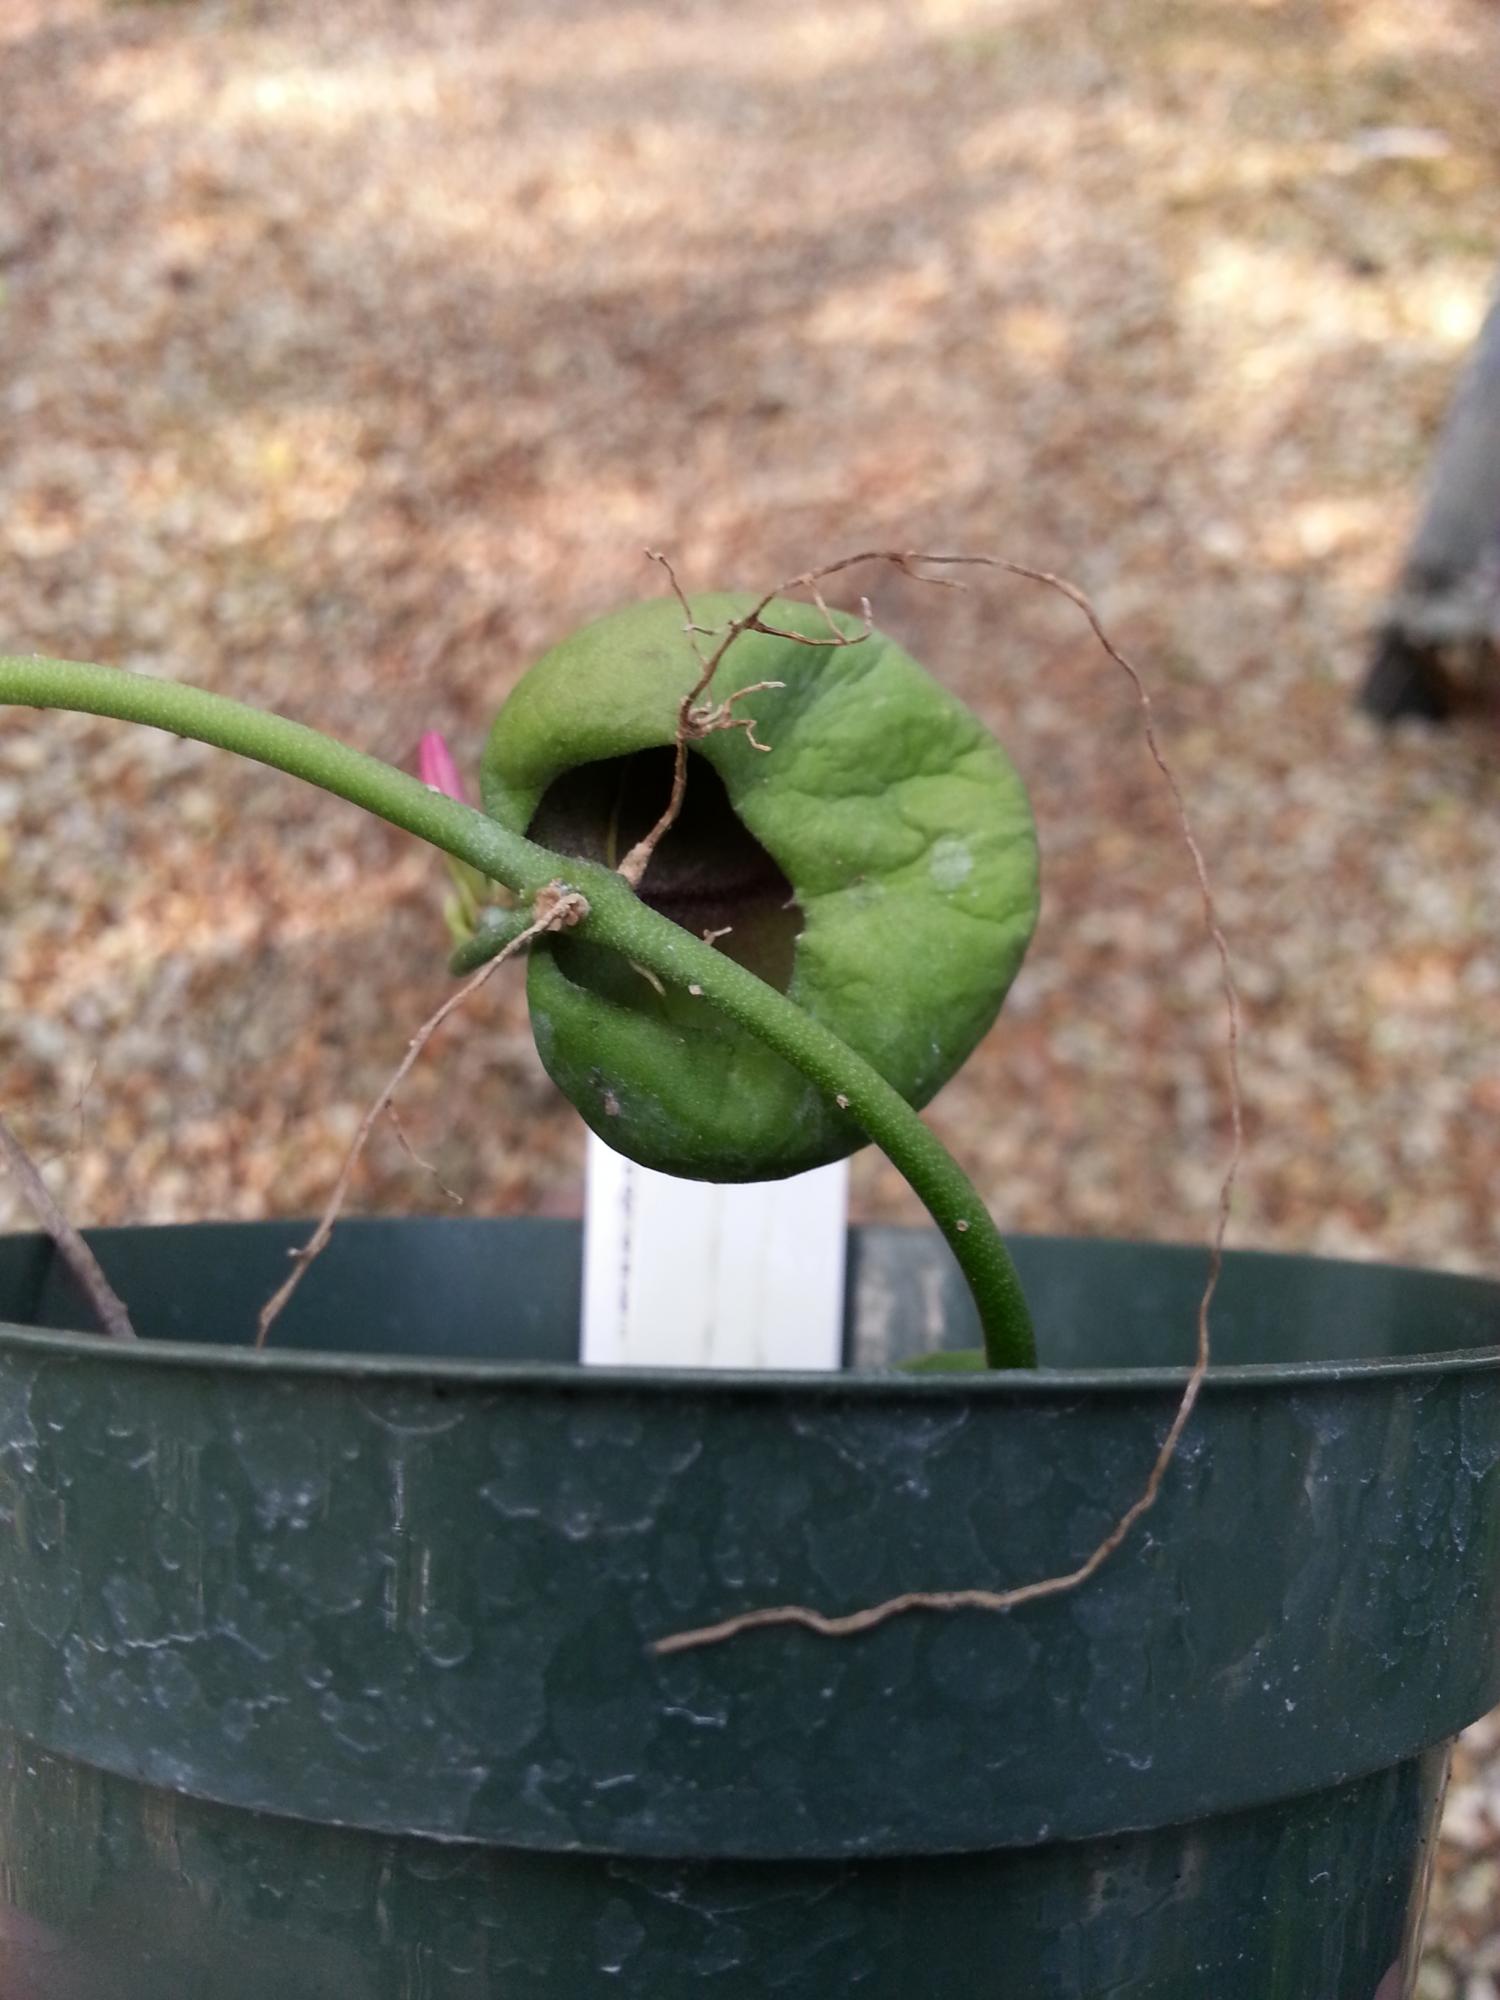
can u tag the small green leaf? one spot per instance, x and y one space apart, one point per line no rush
951 1361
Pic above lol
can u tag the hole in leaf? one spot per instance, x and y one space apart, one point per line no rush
710 871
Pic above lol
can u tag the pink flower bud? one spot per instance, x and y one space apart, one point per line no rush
436 768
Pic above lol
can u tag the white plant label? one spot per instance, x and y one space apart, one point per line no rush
686 1274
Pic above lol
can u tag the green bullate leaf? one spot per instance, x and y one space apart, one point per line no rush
877 863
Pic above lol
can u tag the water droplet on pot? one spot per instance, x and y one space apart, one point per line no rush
617 1936
236 1719
359 1725
445 1640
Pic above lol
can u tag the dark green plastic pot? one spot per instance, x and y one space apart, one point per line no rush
325 1672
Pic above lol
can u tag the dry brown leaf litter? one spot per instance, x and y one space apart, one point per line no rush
350 354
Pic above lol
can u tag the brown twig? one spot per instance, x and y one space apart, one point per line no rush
75 1253
638 860
556 908
80 1115
866 1619
426 1166
694 630
693 724
697 719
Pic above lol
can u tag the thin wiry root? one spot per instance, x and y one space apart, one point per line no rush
415 1157
75 1253
916 564
697 719
556 908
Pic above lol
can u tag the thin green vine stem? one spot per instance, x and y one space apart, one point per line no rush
617 918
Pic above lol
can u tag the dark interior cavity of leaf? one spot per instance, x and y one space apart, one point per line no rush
708 872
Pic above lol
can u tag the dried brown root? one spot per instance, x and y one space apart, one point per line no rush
556 908
697 718
75 1253
914 563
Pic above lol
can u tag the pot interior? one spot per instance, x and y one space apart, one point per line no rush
508 1290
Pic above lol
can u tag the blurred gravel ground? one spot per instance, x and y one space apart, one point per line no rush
350 353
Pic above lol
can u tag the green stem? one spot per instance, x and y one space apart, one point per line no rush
617 918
